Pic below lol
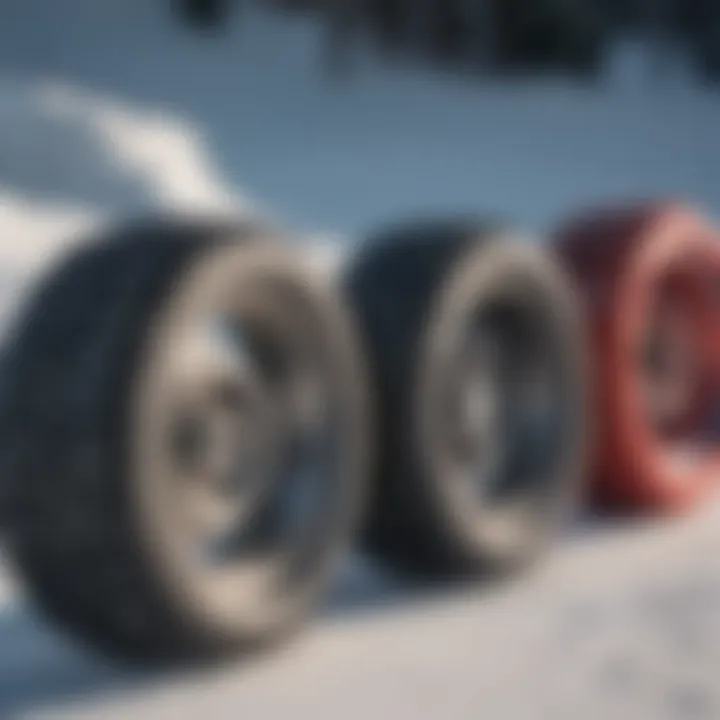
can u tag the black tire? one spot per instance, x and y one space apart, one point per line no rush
92 523
407 288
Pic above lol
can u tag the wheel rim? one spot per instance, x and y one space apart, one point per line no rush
519 383
252 360
508 352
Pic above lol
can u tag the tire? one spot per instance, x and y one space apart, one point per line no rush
414 288
625 259
104 512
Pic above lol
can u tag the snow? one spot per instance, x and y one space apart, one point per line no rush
345 157
109 109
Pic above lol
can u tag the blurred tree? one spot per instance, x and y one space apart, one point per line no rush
204 13
699 21
500 35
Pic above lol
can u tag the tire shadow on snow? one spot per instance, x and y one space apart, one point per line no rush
41 669
38 669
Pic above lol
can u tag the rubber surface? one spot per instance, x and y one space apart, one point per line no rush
74 529
626 259
399 285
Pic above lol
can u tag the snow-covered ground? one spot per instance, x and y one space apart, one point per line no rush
108 109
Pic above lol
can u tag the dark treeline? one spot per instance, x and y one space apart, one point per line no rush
496 36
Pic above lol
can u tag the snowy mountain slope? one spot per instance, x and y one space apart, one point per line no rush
110 107
347 157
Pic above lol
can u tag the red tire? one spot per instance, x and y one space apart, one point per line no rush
644 267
